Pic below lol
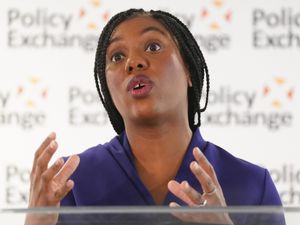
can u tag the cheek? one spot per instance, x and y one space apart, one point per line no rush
112 79
112 83
175 71
115 83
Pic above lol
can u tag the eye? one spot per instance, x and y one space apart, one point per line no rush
153 47
116 57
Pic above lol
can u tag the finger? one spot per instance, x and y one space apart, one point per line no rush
42 165
60 193
43 146
193 195
44 158
52 171
174 205
38 152
205 180
205 164
180 215
176 189
68 169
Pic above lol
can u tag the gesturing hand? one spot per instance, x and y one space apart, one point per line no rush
212 192
48 185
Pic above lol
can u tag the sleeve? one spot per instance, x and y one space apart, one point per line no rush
270 197
65 218
270 194
68 200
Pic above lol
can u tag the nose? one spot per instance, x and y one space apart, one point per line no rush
136 63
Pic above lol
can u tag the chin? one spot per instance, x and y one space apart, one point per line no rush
147 118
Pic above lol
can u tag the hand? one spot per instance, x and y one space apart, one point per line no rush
48 186
212 192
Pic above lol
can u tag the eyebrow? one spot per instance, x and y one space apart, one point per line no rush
145 30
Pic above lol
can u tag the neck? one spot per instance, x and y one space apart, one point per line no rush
158 152
156 144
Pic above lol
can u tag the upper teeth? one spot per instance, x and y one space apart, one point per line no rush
138 85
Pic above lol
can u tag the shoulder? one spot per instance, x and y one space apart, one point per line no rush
242 180
96 173
96 158
99 155
221 159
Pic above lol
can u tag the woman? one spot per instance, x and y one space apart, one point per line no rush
149 73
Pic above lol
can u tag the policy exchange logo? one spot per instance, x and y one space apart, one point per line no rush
269 106
42 27
214 17
24 105
276 28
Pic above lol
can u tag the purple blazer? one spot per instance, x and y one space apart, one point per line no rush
106 176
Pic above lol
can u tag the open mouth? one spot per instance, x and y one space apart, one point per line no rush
140 86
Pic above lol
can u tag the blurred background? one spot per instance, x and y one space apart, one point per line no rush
47 51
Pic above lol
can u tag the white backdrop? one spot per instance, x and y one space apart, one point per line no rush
47 53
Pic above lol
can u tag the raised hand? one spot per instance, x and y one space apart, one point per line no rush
212 193
49 185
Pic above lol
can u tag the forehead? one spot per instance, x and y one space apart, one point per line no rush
139 24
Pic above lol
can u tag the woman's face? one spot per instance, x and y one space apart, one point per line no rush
145 73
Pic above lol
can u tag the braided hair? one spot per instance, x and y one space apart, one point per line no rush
190 53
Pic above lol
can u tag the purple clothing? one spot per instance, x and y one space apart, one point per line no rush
106 176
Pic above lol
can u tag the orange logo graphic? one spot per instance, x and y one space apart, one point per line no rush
278 92
216 15
96 11
31 92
